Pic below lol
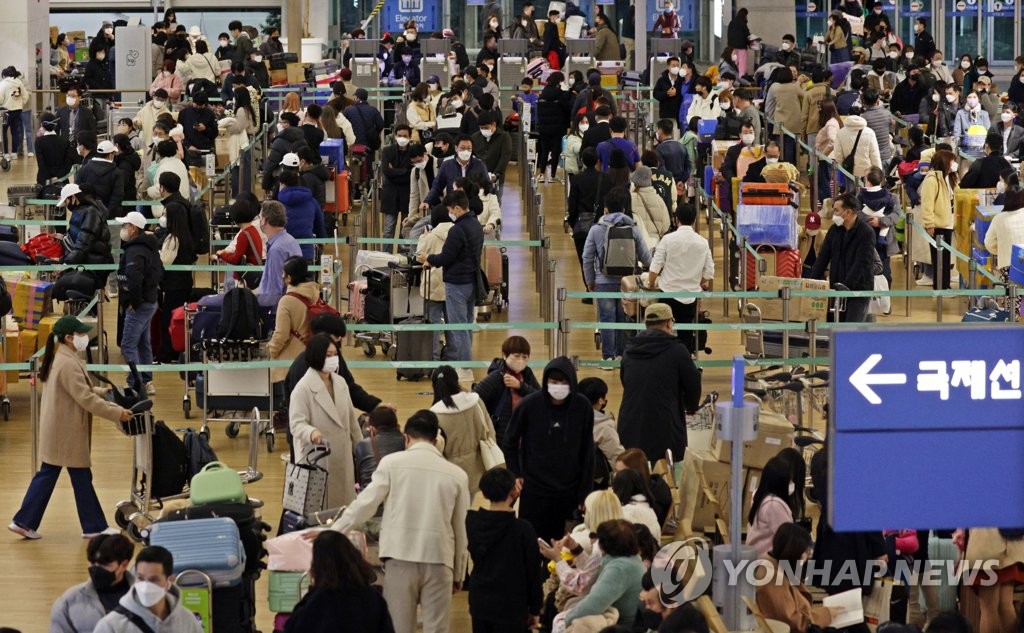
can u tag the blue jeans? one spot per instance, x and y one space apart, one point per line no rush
241 174
459 303
136 346
610 311
90 513
14 126
435 314
30 131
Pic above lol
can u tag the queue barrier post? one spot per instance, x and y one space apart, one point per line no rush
908 260
101 338
940 275
812 338
784 294
972 280
562 333
550 299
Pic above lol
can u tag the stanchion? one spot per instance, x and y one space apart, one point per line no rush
562 333
940 275
357 232
972 280
811 327
101 338
908 260
784 295
742 271
550 300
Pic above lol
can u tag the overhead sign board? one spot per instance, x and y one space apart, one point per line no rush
922 422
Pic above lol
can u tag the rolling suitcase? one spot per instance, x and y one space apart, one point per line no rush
769 193
783 262
413 346
492 265
251 529
284 590
212 546
357 299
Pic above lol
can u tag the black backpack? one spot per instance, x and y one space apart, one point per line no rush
197 452
240 316
169 467
199 226
6 303
667 194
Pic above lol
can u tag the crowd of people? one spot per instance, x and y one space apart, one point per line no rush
564 534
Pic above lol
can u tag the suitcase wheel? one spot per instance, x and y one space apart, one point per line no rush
369 350
5 164
232 429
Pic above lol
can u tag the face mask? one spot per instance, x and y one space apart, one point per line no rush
982 71
584 127
81 342
1006 117
149 593
951 98
157 103
515 364
101 57
771 161
918 28
954 168
122 129
972 103
464 155
410 37
490 67
494 24
937 63
331 364
965 65
102 579
733 58
726 105
893 55
280 127
487 133
406 59
558 392
908 55
674 71
748 139
785 46
71 101
402 140
685 72
223 42
792 488
935 98
1000 187
433 87
456 103
878 12
524 22
163 221
258 58
108 31
452 217
125 235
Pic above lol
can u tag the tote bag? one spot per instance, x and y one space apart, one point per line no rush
305 484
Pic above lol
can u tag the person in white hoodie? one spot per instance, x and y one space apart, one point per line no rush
705 103
13 97
167 150
464 422
635 496
865 151
154 600
606 433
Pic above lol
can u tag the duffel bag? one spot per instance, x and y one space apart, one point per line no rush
77 280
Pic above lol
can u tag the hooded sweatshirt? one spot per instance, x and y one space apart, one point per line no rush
106 181
506 579
178 620
552 445
463 426
305 217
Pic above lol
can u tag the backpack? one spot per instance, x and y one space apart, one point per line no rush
199 226
240 316
313 310
6 302
619 250
197 452
169 467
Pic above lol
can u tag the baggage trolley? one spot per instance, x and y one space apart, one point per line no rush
196 593
222 392
5 159
387 288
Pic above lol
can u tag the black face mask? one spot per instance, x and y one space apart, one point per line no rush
650 619
102 579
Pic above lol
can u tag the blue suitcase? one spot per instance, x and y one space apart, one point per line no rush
1016 264
212 546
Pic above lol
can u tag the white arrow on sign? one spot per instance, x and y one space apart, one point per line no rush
862 379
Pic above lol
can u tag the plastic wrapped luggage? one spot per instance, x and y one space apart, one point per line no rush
212 546
284 590
12 255
1016 264
493 265
769 193
706 130
356 299
768 225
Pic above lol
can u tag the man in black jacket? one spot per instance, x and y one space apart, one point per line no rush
289 139
550 444
772 155
460 261
660 383
73 117
601 130
200 124
924 44
493 145
139 273
907 95
311 127
99 172
668 90
848 253
243 44
396 167
54 156
584 197
984 173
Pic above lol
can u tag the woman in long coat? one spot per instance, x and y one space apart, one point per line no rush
321 413
65 431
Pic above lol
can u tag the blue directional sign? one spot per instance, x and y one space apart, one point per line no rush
927 428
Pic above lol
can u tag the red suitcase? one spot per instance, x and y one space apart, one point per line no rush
769 193
177 328
778 263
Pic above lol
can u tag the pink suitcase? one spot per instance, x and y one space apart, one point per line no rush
356 299
492 265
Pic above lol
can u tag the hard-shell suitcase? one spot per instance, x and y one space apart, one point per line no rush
8 233
492 265
251 528
212 546
778 263
769 193
357 299
284 590
216 483
234 607
177 328
413 346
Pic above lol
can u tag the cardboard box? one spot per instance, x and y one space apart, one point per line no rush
701 467
279 78
32 300
29 343
45 328
13 355
296 74
774 433
800 308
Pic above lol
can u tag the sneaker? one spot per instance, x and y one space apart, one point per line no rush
112 293
925 280
109 530
150 389
30 154
24 532
286 457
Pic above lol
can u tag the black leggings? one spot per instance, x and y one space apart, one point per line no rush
549 151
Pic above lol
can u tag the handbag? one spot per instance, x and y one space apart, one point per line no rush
305 485
490 452
848 162
252 278
878 603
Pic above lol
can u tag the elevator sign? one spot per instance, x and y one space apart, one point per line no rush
397 12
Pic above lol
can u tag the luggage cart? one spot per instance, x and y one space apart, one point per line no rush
5 159
387 288
222 391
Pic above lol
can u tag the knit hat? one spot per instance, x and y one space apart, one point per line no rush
642 176
618 161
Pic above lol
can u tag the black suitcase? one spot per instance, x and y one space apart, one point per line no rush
413 346
9 233
234 608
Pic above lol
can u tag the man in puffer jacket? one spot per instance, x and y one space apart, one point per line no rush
649 208
305 217
876 198
289 139
154 568
866 154
99 172
88 238
139 274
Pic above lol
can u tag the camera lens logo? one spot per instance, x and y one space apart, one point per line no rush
682 571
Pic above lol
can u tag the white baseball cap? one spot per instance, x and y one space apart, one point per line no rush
195 31
105 147
66 192
290 159
134 218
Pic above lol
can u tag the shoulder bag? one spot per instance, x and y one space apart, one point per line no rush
848 162
252 278
305 485
134 618
490 452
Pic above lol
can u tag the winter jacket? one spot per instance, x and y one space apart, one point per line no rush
237 129
848 255
419 188
366 122
554 111
189 118
639 510
675 159
660 384
498 398
779 599
771 514
396 166
649 208
571 154
784 106
289 140
606 436
243 46
879 120
13 94
668 107
491 214
704 108
88 238
97 77
984 172
463 427
593 250
617 585
1006 230
460 256
551 446
370 450
813 96
936 202
129 165
495 152
738 33
882 200
506 581
867 148
966 120
945 118
139 272
450 170
201 66
606 45
315 178
106 181
173 165
80 609
170 82
182 255
906 98
362 610
834 550
146 119
305 217
54 157
178 620
421 117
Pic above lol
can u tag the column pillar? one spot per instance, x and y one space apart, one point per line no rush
25 42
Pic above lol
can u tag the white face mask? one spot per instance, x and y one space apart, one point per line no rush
486 132
158 103
558 392
464 155
747 139
792 488
1000 187
909 55
125 235
163 221
584 127
331 364
406 59
937 63
453 217
954 168
81 342
893 54
1006 117
785 46
280 127
410 37
456 103
71 101
965 65
223 42
972 103
108 31
951 98
935 97
515 364
149 593
770 161
726 105
673 70
257 58
101 56
402 140
494 24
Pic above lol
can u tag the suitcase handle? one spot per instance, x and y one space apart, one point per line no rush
214 466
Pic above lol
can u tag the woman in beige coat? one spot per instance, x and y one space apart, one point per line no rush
996 599
937 191
65 423
464 422
292 323
320 413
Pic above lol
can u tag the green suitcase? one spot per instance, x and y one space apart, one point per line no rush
285 590
216 483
